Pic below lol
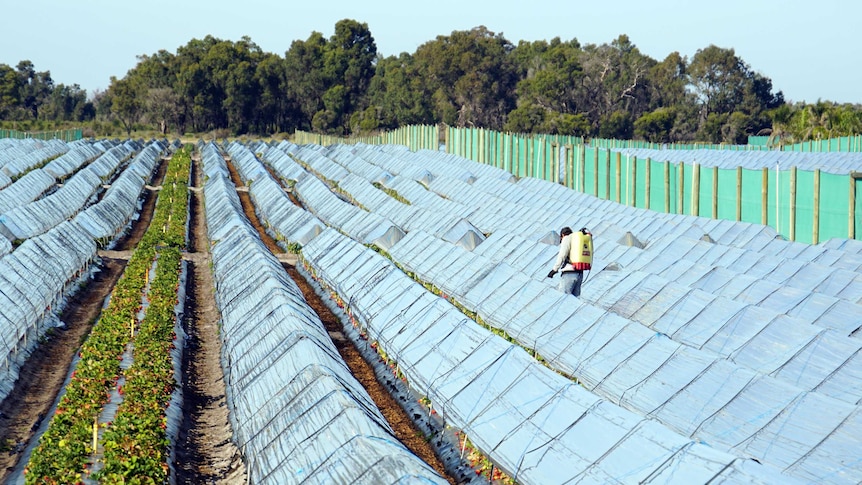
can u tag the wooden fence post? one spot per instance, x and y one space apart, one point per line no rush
815 231
715 192
582 165
680 209
667 186
739 193
619 177
793 203
695 190
608 175
764 210
647 182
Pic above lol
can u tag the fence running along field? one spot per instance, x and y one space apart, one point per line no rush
806 191
65 135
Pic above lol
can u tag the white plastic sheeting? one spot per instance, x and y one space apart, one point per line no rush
407 216
72 160
826 296
830 162
33 279
26 189
782 359
631 364
280 159
315 157
40 215
298 414
23 155
212 161
360 224
536 425
107 218
289 222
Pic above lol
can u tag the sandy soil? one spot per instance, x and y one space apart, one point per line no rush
205 452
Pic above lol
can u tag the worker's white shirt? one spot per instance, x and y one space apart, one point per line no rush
562 263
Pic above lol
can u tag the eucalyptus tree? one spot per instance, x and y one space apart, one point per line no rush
469 77
724 84
396 93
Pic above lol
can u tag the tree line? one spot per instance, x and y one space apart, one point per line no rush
341 85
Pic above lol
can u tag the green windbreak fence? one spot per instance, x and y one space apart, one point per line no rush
65 135
805 206
539 156
414 137
840 144
837 144
611 143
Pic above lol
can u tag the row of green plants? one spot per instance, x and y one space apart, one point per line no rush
136 443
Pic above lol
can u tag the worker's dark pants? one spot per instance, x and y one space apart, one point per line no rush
570 282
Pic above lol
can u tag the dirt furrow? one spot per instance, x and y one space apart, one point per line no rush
204 452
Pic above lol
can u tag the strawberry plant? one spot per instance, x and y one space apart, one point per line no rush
135 443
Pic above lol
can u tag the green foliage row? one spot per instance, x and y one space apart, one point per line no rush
391 193
64 449
136 443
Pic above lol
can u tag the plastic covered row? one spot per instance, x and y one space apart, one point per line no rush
25 190
830 162
106 219
315 158
40 215
298 414
290 222
368 227
72 160
536 425
24 155
281 159
421 209
212 161
33 281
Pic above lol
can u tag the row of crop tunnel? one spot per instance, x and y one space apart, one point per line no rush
601 384
49 242
685 355
298 414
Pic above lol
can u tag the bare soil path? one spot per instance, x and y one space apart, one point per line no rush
42 376
405 430
205 452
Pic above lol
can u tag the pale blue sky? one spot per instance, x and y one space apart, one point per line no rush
810 50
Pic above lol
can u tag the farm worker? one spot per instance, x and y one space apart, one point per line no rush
575 256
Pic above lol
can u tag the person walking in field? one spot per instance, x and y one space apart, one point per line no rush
575 257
